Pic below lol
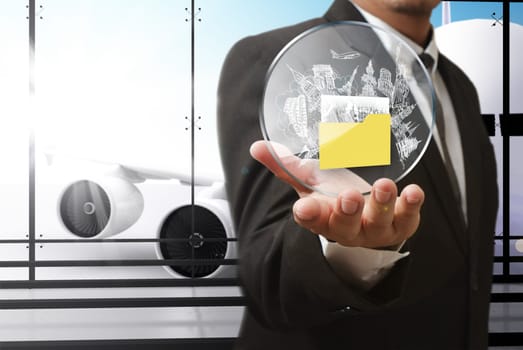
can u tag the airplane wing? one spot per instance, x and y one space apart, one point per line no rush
137 172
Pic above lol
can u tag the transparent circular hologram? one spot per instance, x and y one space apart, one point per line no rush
345 104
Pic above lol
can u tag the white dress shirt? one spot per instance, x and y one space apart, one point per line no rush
363 267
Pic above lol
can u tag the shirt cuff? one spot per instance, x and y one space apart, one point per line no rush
361 267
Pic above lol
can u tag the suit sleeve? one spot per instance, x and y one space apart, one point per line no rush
284 274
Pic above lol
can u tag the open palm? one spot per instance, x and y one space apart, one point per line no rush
380 219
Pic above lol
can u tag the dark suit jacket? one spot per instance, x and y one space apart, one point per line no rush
437 298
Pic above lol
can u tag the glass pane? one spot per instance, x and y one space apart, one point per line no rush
516 268
113 90
14 135
216 33
516 142
516 187
16 253
506 318
515 247
516 12
498 269
468 10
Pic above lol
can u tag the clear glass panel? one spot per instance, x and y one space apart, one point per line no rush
467 10
497 142
516 187
498 269
15 253
216 33
516 12
516 269
506 317
516 142
113 91
14 135
14 273
515 247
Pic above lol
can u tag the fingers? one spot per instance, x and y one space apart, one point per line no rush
345 221
384 220
379 211
313 214
338 219
387 220
407 212
260 151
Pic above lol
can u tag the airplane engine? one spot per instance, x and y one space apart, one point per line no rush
199 232
99 208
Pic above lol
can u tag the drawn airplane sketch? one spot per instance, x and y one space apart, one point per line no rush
349 55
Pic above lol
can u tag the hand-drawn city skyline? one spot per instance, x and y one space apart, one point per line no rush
303 103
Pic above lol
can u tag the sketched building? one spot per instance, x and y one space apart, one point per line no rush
405 111
323 77
308 88
369 81
405 147
347 88
296 110
406 142
401 90
406 130
385 83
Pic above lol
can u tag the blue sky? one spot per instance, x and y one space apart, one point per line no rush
471 10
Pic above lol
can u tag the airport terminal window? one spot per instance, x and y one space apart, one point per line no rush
107 125
112 99
112 109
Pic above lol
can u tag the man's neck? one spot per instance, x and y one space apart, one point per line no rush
415 27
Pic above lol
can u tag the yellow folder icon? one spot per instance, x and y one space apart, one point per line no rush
347 145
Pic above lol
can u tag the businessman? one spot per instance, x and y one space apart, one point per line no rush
348 272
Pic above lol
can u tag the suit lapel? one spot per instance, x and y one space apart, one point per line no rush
463 108
343 10
433 164
472 162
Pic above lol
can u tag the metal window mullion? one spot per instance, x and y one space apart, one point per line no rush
116 262
193 211
121 283
506 139
89 303
32 169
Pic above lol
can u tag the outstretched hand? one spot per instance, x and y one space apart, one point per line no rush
381 219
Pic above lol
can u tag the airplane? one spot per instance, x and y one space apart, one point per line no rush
349 55
104 201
